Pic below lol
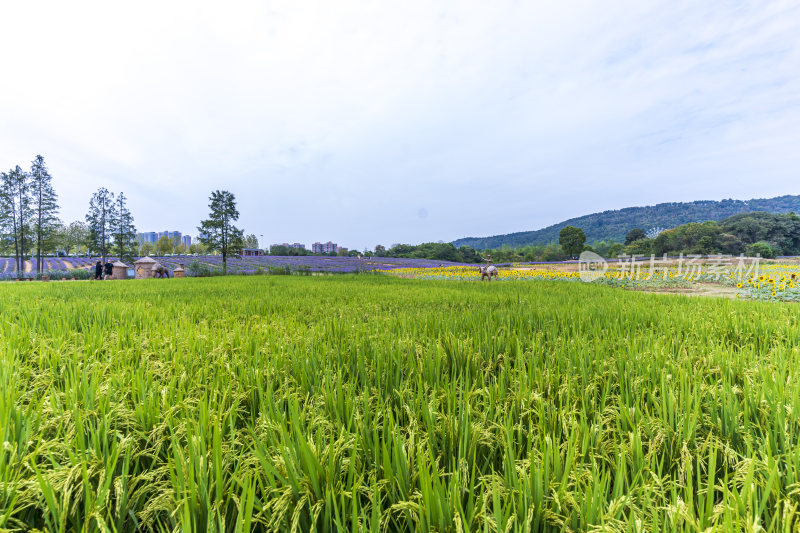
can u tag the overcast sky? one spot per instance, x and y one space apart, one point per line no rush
387 122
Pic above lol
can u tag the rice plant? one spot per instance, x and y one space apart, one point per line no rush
374 403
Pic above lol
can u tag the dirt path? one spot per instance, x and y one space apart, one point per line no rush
68 264
28 266
562 267
698 289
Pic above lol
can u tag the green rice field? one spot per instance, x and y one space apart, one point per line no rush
372 403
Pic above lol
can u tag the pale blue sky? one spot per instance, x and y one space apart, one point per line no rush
377 122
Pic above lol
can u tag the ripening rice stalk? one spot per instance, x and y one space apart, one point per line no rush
383 404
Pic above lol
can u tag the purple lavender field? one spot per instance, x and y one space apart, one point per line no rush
341 265
55 267
58 267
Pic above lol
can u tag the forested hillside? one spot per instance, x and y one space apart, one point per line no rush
764 234
615 224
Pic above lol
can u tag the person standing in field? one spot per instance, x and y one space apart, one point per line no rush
109 270
98 270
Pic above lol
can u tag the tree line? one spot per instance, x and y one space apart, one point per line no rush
571 242
31 228
759 233
30 225
28 210
446 251
439 251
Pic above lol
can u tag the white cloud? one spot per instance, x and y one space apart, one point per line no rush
346 120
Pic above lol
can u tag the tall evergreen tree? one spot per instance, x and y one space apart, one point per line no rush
8 214
23 194
100 219
218 232
123 230
15 211
44 207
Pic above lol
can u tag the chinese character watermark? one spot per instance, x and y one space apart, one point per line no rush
592 266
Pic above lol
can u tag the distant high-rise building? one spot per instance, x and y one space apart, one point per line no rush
299 246
319 248
147 236
153 236
186 240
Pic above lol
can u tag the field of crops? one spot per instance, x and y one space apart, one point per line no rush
58 267
755 280
377 403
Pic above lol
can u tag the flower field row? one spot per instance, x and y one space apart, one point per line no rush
471 272
765 281
305 263
779 281
774 281
8 264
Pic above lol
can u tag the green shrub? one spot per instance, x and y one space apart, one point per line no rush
760 248
279 270
198 269
81 273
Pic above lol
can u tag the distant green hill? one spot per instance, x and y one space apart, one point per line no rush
615 224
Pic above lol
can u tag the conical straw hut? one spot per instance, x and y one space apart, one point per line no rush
119 270
144 267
